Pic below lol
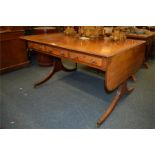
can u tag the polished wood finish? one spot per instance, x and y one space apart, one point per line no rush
148 51
149 43
122 90
58 66
90 60
121 67
13 54
44 59
44 30
99 47
14 28
119 60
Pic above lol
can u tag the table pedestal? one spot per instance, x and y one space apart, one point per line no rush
58 66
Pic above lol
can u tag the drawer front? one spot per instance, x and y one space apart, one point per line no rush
36 46
92 60
49 49
56 51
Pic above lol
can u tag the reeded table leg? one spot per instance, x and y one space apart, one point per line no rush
122 90
58 66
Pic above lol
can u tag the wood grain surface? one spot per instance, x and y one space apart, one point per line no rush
100 47
118 59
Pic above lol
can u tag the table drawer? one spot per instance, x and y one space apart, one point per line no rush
36 46
56 51
92 60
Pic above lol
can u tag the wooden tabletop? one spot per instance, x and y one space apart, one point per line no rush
100 47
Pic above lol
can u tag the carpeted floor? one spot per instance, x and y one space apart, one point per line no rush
73 100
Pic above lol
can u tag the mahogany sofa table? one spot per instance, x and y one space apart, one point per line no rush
119 60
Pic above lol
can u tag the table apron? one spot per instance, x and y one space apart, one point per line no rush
98 62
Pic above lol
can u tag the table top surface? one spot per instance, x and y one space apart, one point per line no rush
100 47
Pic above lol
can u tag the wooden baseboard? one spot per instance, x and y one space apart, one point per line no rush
14 67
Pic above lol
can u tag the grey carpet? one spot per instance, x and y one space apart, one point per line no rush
73 100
